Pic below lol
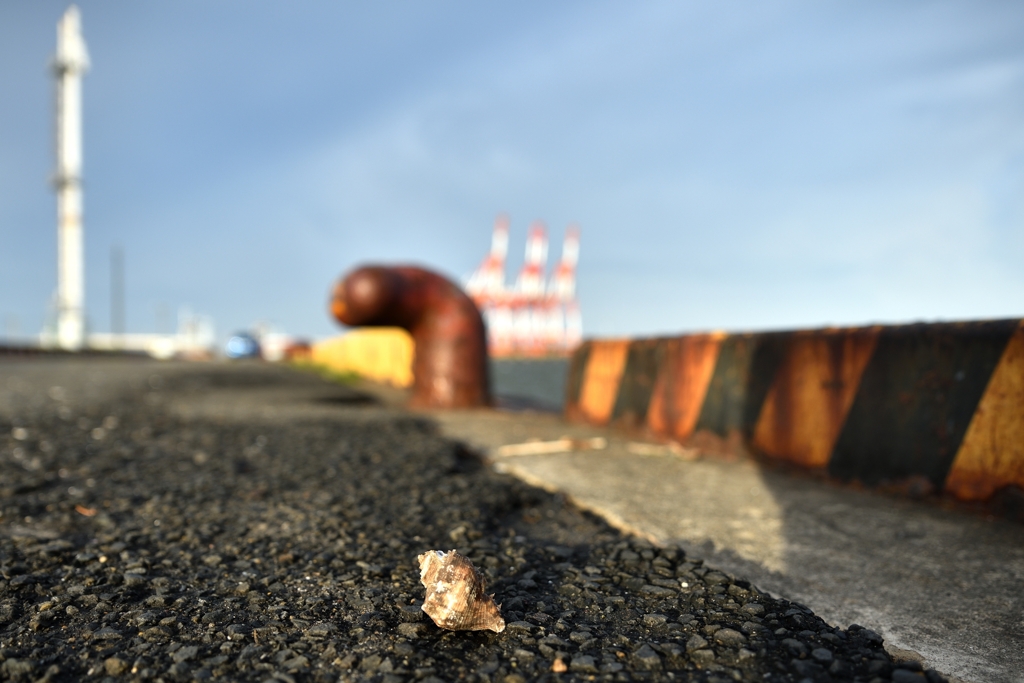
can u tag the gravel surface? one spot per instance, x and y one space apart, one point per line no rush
136 543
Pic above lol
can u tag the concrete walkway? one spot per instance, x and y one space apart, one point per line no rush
942 586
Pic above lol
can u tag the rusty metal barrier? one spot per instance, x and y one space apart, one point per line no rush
450 363
938 404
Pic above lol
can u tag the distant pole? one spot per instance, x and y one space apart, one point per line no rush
71 61
117 326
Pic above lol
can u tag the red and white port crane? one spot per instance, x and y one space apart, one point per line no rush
536 316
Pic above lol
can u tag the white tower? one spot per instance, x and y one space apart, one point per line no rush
71 61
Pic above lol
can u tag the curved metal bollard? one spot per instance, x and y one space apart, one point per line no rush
450 365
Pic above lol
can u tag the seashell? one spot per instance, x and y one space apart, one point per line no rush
455 594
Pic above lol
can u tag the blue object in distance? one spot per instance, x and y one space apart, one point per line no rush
242 345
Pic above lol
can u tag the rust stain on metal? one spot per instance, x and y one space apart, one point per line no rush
811 395
682 384
991 455
450 364
601 379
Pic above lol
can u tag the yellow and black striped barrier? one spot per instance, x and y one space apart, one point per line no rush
883 404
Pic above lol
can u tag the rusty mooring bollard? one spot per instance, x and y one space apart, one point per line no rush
450 365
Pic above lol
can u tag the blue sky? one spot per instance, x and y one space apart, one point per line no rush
732 165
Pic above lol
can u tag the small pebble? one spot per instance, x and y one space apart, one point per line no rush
647 658
728 636
583 664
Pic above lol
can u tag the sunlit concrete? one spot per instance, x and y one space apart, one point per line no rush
665 499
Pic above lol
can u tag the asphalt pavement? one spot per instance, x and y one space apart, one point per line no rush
175 521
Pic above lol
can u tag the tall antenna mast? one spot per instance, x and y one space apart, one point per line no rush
71 61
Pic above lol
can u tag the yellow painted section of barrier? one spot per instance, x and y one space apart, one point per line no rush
991 454
601 379
381 354
811 396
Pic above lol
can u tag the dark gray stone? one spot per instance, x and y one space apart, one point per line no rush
795 646
696 643
583 664
729 637
646 658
